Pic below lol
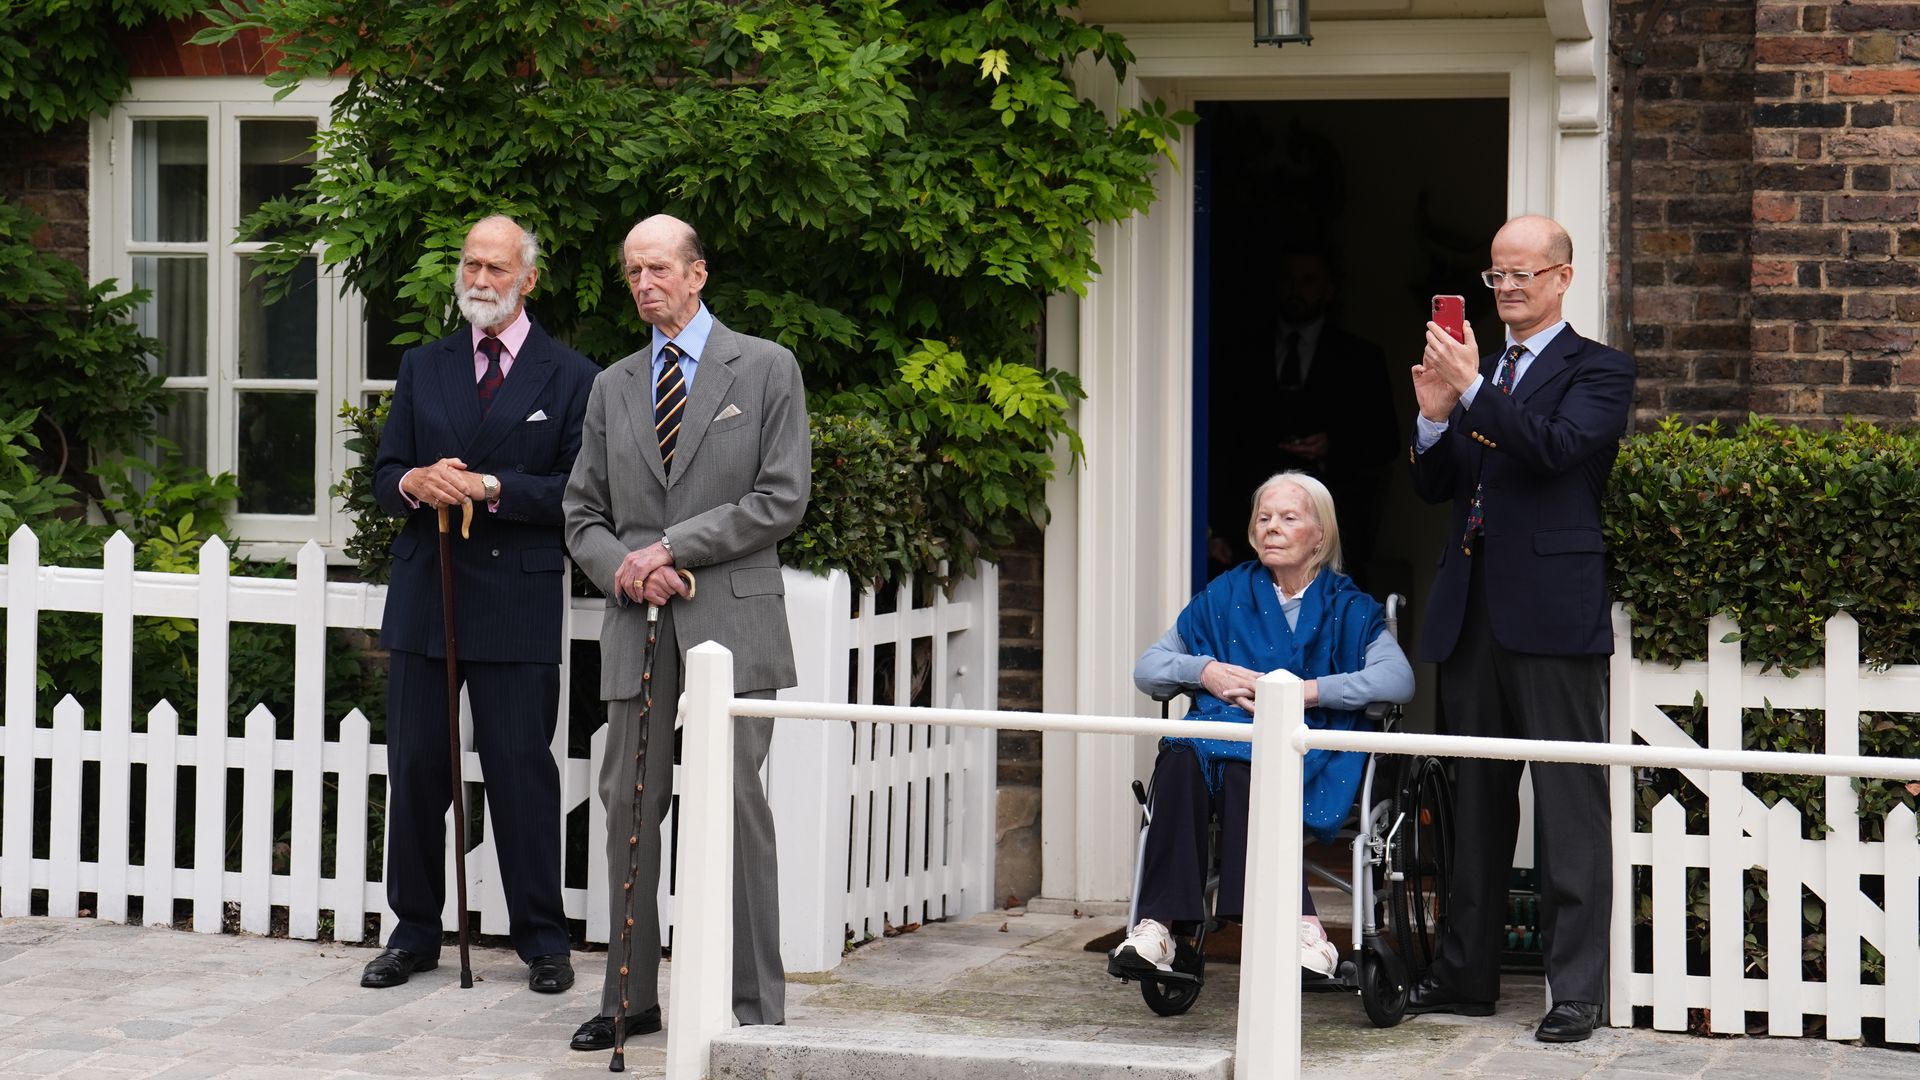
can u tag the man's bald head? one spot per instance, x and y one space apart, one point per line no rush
1541 233
670 231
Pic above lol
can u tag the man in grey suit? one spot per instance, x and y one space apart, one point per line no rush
694 457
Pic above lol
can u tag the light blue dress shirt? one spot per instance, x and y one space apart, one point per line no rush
692 341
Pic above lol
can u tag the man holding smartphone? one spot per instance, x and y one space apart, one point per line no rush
1521 442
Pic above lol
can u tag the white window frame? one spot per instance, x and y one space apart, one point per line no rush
339 334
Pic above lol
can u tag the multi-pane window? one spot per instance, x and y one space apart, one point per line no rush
255 374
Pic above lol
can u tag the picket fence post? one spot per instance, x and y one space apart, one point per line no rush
116 726
23 651
1843 848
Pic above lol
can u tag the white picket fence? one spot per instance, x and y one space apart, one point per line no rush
875 823
1743 833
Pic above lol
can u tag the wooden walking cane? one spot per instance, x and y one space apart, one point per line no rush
453 732
619 1062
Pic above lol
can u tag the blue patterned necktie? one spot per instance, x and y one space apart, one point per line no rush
1503 379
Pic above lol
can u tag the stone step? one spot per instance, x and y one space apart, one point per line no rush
787 1053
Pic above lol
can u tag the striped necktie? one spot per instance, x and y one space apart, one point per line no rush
1503 380
669 403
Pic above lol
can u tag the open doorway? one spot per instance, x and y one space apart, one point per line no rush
1323 229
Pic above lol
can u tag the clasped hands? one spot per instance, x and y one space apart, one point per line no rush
648 574
1445 371
1233 684
444 483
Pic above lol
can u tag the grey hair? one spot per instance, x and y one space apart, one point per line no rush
529 243
1319 504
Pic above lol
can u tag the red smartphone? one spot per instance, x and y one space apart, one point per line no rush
1451 313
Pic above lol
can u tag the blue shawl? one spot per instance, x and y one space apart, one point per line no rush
1237 619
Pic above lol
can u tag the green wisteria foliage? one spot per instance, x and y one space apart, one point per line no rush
871 177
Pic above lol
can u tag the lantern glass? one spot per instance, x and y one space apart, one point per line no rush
1280 22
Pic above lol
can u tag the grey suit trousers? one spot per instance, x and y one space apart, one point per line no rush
759 980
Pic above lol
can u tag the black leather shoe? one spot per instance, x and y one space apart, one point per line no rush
1568 1021
597 1033
393 967
550 974
1430 995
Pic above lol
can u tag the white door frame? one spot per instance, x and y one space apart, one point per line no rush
1119 543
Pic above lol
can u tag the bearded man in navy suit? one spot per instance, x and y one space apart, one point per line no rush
489 417
1522 441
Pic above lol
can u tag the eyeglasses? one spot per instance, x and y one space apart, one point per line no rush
1519 279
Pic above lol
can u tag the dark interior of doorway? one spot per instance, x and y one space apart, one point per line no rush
1402 198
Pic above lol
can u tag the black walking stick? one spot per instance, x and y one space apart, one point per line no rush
619 1062
453 732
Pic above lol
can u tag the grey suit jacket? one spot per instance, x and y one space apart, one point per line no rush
739 487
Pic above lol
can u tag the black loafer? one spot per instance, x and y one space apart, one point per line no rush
1430 995
550 974
1568 1021
597 1033
394 966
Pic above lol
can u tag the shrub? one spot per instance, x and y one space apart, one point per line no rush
1777 527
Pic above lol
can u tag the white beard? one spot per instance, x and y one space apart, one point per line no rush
482 307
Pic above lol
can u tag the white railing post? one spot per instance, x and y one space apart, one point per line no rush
700 983
23 651
1268 1044
116 727
975 663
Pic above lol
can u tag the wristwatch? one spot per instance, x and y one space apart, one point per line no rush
489 487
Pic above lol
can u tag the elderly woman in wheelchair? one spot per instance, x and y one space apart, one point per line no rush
1291 609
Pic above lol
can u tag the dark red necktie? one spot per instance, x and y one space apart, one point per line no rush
490 346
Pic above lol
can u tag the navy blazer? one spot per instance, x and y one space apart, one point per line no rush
509 577
1543 455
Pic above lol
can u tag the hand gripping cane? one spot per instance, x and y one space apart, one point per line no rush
619 1062
453 732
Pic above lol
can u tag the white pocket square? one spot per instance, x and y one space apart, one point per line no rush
729 412
538 414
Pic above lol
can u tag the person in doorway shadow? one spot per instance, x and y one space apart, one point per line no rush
1296 391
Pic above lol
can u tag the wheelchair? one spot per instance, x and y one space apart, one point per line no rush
1399 837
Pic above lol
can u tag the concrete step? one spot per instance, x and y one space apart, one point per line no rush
786 1053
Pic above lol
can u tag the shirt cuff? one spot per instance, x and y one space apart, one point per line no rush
1471 392
1427 433
411 501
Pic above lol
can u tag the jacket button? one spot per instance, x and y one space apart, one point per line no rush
496 553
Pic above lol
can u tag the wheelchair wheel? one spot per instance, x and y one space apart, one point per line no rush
1383 987
1423 855
1175 996
1169 998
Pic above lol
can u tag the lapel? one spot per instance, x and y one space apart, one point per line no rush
637 392
511 403
711 384
455 376
1550 364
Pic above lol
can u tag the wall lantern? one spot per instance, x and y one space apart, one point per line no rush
1280 22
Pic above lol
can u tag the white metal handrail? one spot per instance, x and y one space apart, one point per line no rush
1266 1046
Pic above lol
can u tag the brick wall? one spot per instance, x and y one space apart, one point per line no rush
1776 209
1836 207
47 173
1692 144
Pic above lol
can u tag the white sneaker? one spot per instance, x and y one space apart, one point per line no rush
1151 942
1317 954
